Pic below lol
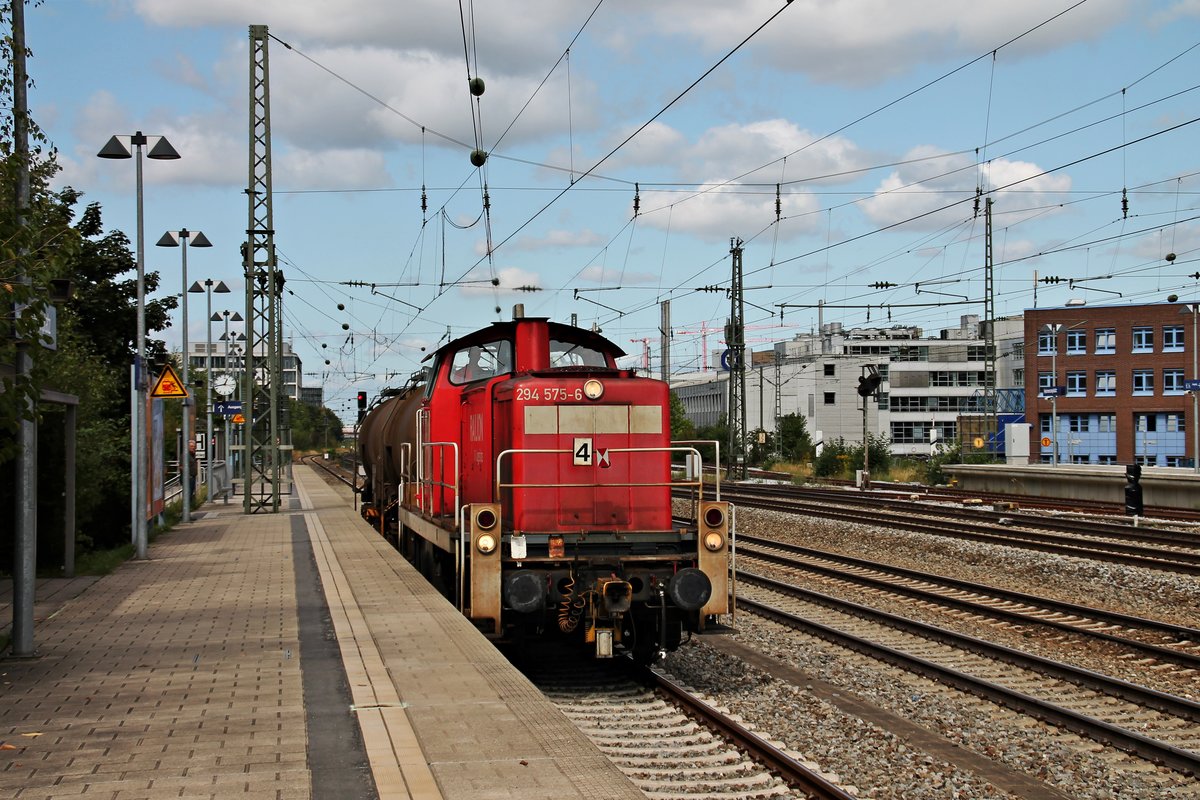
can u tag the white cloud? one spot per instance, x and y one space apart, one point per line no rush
479 281
558 239
867 41
934 190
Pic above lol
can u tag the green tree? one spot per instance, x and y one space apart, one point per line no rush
795 443
682 428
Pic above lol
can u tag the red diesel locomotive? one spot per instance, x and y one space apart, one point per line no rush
530 478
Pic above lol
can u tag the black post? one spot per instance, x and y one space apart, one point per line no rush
1133 490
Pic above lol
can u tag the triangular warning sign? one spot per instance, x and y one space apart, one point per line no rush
168 384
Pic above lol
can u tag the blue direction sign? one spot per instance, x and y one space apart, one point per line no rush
1054 391
1191 386
228 408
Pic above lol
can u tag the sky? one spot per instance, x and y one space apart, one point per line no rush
628 144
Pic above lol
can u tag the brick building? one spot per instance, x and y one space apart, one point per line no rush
1117 376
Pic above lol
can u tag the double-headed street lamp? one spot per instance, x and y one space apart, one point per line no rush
162 150
229 373
208 285
180 239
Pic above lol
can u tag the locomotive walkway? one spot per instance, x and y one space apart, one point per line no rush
285 655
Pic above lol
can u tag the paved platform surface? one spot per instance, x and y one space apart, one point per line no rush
286 655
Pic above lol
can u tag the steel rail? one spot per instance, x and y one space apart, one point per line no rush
1164 560
787 768
1168 755
750 545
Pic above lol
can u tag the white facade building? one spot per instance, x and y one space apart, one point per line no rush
928 383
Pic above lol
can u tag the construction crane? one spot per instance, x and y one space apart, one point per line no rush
706 329
646 340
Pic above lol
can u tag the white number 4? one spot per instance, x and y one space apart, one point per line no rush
583 452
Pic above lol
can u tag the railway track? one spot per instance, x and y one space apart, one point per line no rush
1172 551
1153 725
669 741
1144 639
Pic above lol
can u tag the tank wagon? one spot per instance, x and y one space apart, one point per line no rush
530 479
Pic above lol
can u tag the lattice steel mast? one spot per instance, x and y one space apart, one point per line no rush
735 337
263 462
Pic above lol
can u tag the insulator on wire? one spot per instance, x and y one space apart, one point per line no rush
487 201
1124 204
978 194
637 199
424 200
778 203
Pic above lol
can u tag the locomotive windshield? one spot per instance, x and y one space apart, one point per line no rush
480 361
573 354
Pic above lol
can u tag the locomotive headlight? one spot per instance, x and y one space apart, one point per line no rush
485 519
714 541
486 543
593 389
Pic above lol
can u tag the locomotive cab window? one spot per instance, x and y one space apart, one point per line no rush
481 361
573 354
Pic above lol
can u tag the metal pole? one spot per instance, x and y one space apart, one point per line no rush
208 444
185 461
1054 397
140 472
1195 395
25 541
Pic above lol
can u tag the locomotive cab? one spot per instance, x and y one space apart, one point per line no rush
543 486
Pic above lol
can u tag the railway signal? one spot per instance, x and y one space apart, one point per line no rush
1133 490
362 405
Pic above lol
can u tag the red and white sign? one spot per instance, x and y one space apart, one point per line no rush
602 457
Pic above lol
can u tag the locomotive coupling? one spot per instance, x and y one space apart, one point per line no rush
617 594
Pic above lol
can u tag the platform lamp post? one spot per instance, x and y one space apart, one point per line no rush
116 147
228 316
208 286
180 239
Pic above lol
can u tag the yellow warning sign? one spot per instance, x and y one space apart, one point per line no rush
168 384
238 419
1046 441
978 443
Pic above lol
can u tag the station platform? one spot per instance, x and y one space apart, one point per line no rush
288 655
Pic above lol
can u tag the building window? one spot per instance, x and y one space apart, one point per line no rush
1077 423
1145 423
1076 343
1077 383
1078 459
1106 340
1018 377
1106 383
1173 381
1143 381
1176 423
1143 339
1172 338
1176 461
830 398
1106 459
1047 343
1147 461
1106 423
1047 422
1045 382
829 370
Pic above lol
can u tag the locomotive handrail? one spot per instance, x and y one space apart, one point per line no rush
422 483
422 420
717 445
500 485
